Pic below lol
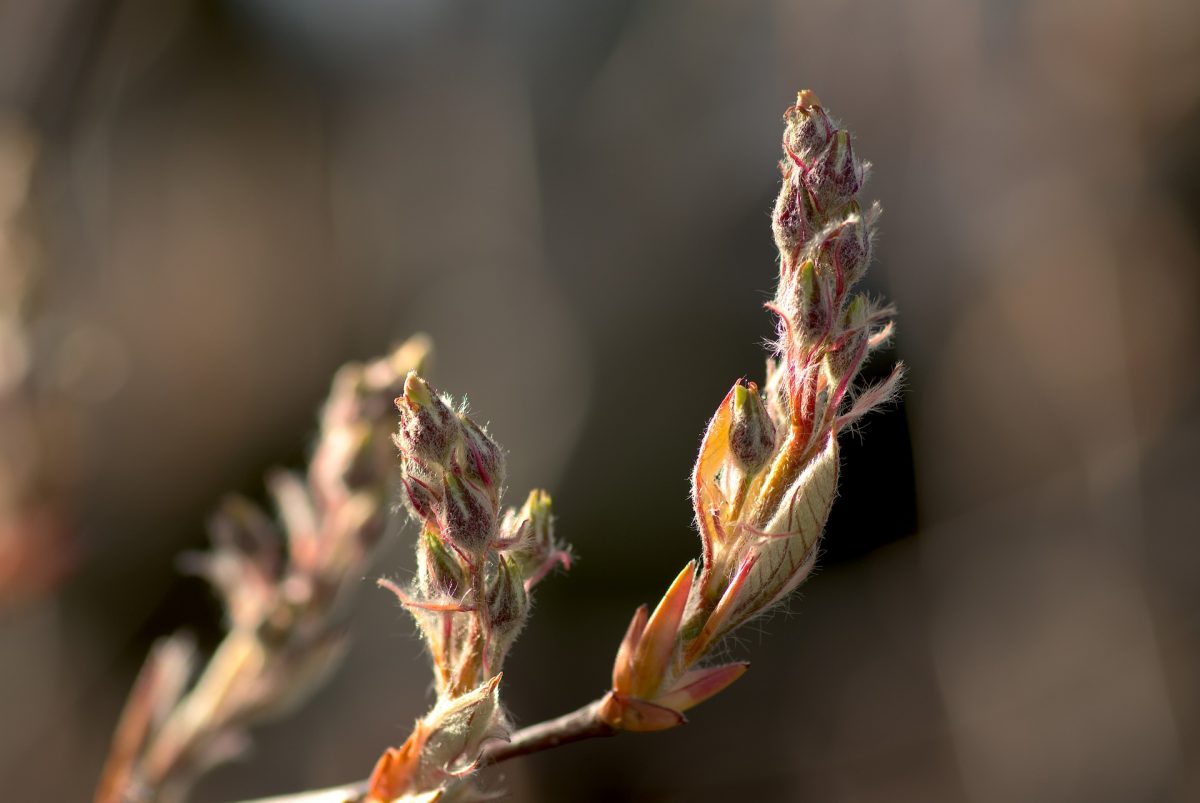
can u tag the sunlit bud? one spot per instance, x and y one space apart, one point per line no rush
468 518
835 176
751 433
428 426
808 127
480 456
792 220
507 601
439 570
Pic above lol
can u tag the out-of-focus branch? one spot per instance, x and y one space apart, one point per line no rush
33 534
283 583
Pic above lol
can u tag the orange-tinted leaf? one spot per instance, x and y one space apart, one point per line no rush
623 667
638 716
657 644
698 685
395 769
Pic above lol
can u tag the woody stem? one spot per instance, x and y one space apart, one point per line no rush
585 723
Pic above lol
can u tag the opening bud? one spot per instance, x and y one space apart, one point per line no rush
808 127
428 427
751 433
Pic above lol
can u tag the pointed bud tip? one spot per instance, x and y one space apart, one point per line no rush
417 391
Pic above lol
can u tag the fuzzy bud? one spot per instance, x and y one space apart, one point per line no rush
530 532
835 176
506 598
751 433
456 731
468 518
812 302
439 571
480 456
421 498
848 355
792 221
850 247
508 608
428 427
808 127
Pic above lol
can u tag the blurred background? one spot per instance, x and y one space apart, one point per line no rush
206 206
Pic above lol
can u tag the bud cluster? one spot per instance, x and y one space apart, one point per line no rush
470 597
475 566
767 471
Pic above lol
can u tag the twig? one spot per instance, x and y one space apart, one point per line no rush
573 727
576 726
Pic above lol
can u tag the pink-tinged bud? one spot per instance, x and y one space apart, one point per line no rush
428 427
751 433
468 518
808 127
480 456
835 176
421 498
792 220
439 571
850 246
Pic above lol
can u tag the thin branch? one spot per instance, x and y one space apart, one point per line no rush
573 727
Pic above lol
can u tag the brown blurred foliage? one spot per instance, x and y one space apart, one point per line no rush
230 198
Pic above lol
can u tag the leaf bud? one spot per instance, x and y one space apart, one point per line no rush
751 433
